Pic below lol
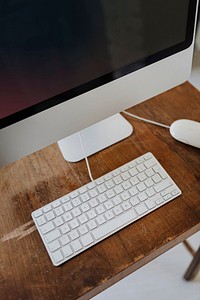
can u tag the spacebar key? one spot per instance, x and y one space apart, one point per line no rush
114 225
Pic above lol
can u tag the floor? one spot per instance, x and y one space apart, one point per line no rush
162 279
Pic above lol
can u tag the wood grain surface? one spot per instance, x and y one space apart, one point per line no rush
26 271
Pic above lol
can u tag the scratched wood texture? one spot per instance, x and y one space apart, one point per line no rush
25 268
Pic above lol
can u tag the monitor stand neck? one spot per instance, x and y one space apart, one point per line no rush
95 138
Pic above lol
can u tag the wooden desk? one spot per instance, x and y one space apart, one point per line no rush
26 271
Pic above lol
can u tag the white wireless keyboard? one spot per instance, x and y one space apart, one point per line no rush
84 217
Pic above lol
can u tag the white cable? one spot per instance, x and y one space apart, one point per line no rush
145 120
129 114
85 156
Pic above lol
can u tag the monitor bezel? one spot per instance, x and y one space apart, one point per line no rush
72 93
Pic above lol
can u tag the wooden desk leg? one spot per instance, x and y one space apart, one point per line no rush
193 267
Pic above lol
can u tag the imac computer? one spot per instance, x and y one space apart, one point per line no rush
67 66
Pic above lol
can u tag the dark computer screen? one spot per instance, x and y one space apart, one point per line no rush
48 48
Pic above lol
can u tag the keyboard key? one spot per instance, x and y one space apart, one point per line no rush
150 203
58 221
142 196
59 211
133 172
74 235
93 203
67 251
108 176
132 164
141 186
67 206
150 192
74 223
53 235
83 218
92 224
142 176
156 178
76 202
87 239
110 194
100 209
108 204
162 173
133 191
83 229
85 197
85 207
141 168
118 179
117 200
47 227
91 215
118 189
37 213
167 197
150 162
149 182
76 212
160 200
118 210
56 203
54 246
67 217
57 256
76 245
64 239
109 215
65 198
74 194
64 228
126 185
141 209
126 175
110 184
91 184
134 201
139 160
50 215
155 197
82 189
100 220
98 181
102 198
93 193
41 220
147 155
162 185
175 192
116 172
101 188
47 208
126 205
125 195
149 172
134 180
124 168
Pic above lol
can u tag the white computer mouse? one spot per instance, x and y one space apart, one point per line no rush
186 131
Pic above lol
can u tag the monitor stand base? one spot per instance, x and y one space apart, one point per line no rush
95 138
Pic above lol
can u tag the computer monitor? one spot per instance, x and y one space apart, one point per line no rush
65 65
